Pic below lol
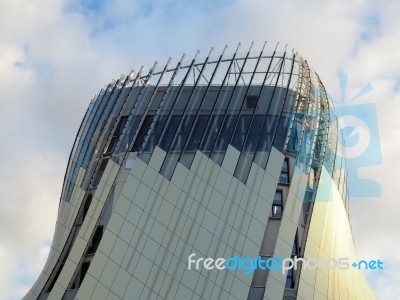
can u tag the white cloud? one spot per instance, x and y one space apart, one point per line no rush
55 55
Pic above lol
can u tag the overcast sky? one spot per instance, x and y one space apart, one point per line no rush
55 55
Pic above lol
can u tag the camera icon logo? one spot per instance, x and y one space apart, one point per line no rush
359 124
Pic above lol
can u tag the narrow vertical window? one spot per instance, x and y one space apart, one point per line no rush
289 280
86 206
84 269
95 240
277 205
284 177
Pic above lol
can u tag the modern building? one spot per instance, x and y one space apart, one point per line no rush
228 156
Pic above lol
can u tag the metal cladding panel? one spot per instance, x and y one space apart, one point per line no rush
330 237
148 240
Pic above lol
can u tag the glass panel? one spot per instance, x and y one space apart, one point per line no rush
276 211
197 133
144 129
241 131
295 249
95 240
289 280
284 176
278 197
277 205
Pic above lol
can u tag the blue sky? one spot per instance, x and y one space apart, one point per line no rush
55 55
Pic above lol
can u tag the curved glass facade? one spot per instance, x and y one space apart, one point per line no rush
221 156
